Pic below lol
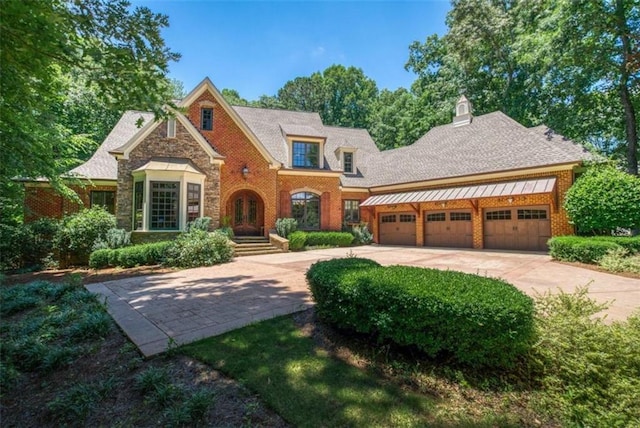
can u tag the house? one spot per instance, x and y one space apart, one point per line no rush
478 182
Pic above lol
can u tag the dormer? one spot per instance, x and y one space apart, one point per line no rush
347 158
463 112
305 146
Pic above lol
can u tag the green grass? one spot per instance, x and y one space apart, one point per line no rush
310 388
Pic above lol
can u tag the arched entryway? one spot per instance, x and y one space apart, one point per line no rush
246 210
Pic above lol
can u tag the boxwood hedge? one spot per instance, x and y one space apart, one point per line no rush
480 321
136 255
590 249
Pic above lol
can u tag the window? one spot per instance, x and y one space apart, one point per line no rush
532 214
436 217
171 128
164 205
498 215
306 155
351 211
138 205
389 218
305 208
206 119
193 201
106 199
407 218
347 162
460 216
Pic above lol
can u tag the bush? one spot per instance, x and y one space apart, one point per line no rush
297 240
80 231
286 226
114 238
604 199
480 321
201 223
27 245
199 248
619 260
137 255
334 239
361 234
590 249
589 370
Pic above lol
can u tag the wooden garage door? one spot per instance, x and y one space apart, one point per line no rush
523 228
397 229
448 229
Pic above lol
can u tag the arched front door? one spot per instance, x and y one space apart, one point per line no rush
247 213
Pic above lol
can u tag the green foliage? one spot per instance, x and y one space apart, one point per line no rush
297 240
480 321
604 199
590 249
26 245
332 239
201 223
361 234
619 260
589 369
80 231
114 238
136 255
199 248
286 226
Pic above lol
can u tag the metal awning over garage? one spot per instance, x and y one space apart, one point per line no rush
510 188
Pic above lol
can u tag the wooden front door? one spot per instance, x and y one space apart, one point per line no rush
247 213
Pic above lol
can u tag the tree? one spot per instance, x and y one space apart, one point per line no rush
120 52
391 119
604 199
233 97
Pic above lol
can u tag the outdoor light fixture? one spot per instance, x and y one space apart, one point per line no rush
245 171
444 204
510 200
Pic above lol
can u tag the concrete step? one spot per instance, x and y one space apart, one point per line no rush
252 247
250 239
273 250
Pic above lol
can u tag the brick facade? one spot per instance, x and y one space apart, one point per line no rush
42 201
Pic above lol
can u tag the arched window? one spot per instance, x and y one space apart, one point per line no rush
462 109
305 208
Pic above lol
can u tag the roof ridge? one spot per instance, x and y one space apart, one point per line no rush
277 109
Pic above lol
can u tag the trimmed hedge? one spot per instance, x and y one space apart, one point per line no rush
297 240
137 255
590 249
480 321
337 239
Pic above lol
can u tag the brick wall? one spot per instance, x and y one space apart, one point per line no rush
328 188
42 201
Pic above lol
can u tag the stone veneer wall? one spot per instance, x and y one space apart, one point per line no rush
158 145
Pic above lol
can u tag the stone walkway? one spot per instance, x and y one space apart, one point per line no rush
162 310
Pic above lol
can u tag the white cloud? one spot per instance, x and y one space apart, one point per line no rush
318 52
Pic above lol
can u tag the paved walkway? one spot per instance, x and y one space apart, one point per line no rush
181 307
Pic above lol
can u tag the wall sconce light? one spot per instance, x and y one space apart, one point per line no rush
444 204
245 172
510 200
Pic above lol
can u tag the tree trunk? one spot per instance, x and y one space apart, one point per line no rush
629 112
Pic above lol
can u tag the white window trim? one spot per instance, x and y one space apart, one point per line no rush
319 141
340 151
171 128
168 176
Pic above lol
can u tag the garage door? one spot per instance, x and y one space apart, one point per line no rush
448 229
397 229
526 228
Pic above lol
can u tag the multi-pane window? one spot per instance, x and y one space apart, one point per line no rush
106 199
436 217
389 218
306 155
532 214
206 119
460 216
347 161
498 215
193 201
351 211
138 204
407 218
305 208
164 205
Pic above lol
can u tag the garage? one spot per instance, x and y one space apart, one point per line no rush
397 229
521 228
448 229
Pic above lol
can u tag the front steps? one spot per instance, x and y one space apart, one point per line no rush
253 246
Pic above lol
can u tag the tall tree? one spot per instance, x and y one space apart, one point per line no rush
120 50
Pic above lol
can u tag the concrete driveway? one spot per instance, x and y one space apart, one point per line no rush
181 307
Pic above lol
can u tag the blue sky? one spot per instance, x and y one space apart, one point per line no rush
256 47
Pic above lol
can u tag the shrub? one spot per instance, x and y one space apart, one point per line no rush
26 245
201 223
334 239
619 260
361 234
11 239
286 226
199 248
136 255
604 199
589 370
80 231
480 321
114 238
297 240
590 249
